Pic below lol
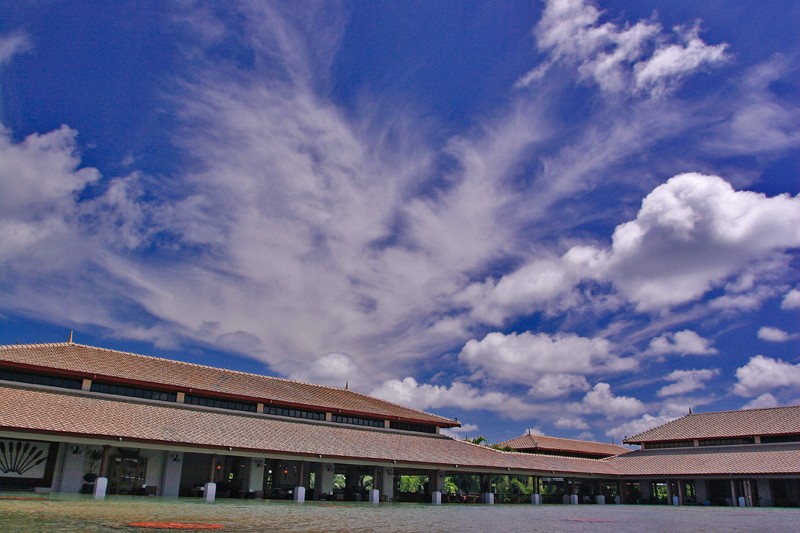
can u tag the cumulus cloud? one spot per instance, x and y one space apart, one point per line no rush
638 58
685 342
687 381
461 395
766 333
558 385
337 369
526 357
764 374
691 233
668 412
762 402
571 423
602 400
791 300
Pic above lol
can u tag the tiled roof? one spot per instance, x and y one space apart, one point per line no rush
556 444
99 363
725 424
85 415
729 460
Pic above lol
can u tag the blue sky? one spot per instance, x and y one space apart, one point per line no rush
571 217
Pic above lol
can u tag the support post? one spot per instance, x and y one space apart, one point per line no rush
101 483
299 495
210 488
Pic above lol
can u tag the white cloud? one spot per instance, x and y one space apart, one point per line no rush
685 342
526 357
337 369
686 381
558 385
639 58
764 374
461 395
761 402
601 400
460 432
766 333
647 421
691 233
13 44
571 423
791 300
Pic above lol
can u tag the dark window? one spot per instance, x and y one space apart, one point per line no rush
358 421
40 379
205 401
672 444
726 442
408 426
136 392
773 439
294 413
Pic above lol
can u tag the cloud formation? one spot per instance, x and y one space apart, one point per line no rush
637 59
685 342
525 357
687 381
767 333
764 374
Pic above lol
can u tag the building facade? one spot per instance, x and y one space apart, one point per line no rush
77 418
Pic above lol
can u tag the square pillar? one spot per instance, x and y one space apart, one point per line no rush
324 482
386 484
72 471
100 486
436 497
299 494
764 493
210 492
374 496
256 475
171 481
700 491
536 499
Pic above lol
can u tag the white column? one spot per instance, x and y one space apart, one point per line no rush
700 492
488 498
573 499
764 493
536 499
600 499
299 495
171 481
387 483
374 496
436 497
210 492
72 473
325 479
256 475
100 485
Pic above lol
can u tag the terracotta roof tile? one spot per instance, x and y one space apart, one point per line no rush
86 415
695 461
725 424
556 444
104 363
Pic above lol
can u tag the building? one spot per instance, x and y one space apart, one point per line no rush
546 445
77 418
749 457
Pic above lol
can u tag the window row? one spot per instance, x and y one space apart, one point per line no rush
40 379
358 421
294 413
206 401
135 392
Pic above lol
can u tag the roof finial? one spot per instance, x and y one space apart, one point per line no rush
346 385
690 409
69 341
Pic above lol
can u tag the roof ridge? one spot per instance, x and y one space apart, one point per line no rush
580 440
217 369
775 408
167 360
